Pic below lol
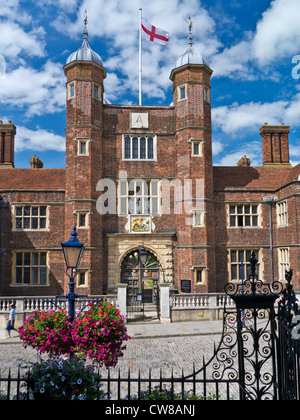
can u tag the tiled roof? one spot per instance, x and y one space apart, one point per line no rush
32 179
253 177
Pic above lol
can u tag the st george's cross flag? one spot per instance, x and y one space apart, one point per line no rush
153 34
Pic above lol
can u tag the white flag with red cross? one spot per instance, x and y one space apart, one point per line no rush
153 34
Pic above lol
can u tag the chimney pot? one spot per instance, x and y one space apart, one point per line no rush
244 162
36 163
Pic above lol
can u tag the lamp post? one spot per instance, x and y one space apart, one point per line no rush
73 251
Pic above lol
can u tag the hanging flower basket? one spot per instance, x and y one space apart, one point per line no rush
47 332
99 334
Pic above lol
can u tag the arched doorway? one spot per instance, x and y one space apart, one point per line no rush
142 281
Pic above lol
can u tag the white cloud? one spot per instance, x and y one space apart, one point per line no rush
250 116
38 140
234 61
236 118
14 41
10 9
36 91
217 147
246 119
278 32
277 36
295 151
251 149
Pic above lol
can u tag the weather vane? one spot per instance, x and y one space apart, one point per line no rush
85 18
190 23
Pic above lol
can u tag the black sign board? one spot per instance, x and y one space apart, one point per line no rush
186 286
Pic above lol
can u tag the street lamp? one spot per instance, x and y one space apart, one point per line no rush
143 255
73 251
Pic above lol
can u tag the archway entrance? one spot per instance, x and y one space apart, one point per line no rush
142 281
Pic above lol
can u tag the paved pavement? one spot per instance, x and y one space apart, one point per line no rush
176 329
152 330
157 346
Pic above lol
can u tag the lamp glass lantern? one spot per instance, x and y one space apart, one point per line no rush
143 255
73 250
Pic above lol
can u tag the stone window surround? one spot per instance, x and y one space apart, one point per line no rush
200 142
282 213
86 272
243 214
283 262
181 88
85 140
14 216
204 270
80 212
30 267
139 136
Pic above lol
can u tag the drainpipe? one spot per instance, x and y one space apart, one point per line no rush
270 200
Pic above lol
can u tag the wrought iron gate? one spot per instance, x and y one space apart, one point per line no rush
260 346
255 330
289 343
142 279
143 301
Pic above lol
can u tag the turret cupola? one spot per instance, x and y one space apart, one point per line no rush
191 56
85 53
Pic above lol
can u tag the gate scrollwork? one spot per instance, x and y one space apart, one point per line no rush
248 347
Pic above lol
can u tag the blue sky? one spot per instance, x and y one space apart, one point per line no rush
251 45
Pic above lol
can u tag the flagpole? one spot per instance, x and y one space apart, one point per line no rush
140 61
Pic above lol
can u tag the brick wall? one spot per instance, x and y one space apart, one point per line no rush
46 241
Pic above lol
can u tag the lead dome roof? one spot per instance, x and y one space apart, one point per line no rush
191 56
85 53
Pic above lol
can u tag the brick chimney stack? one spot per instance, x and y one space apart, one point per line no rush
275 145
36 163
7 144
244 162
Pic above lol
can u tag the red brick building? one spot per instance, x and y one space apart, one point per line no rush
143 175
